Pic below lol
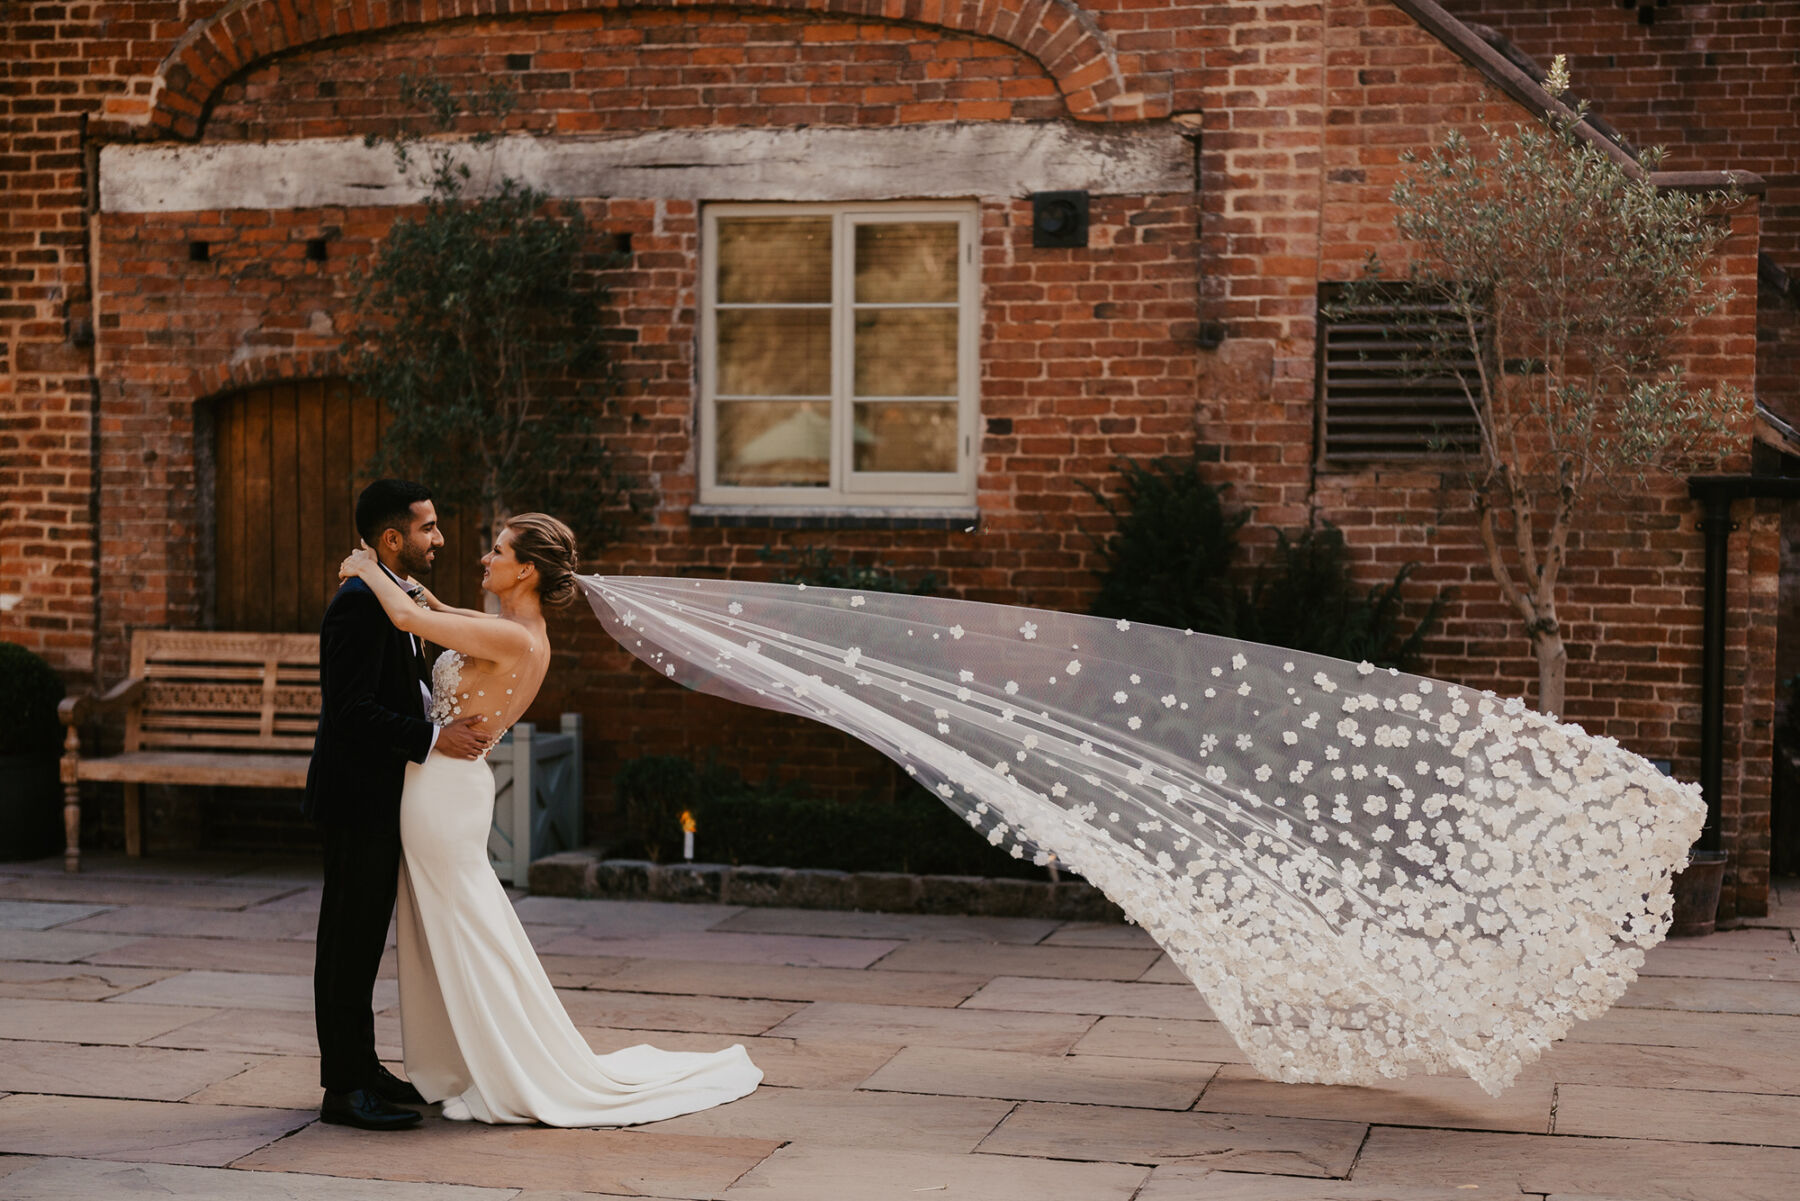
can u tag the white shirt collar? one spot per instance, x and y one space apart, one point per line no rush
390 575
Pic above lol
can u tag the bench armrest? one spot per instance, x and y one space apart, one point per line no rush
76 709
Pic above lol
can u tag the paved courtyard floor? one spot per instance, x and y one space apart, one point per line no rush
156 1039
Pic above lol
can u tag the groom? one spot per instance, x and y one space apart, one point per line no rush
374 692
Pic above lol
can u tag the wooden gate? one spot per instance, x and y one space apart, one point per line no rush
288 463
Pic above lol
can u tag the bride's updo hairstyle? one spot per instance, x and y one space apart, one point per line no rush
548 545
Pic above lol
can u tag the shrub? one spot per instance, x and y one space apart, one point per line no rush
29 692
1169 557
1306 600
1169 561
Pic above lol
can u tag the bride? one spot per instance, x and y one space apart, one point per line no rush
483 1030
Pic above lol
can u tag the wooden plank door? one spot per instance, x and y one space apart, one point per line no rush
289 462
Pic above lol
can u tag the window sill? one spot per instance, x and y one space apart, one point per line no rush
832 517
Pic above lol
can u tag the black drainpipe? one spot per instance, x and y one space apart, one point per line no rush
1716 492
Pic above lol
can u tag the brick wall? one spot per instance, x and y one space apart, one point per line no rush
1300 111
1713 85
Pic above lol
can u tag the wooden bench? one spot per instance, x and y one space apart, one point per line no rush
200 708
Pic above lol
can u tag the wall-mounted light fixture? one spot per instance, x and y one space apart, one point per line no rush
1059 219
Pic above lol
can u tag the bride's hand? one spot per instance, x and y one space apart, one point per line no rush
356 562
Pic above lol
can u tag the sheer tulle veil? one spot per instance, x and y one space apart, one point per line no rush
1364 872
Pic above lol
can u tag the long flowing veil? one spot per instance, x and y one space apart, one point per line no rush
1364 872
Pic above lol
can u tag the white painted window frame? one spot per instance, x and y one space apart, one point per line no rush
850 489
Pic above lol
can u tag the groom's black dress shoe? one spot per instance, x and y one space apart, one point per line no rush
391 1088
363 1108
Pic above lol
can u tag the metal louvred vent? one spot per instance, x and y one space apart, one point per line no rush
1386 393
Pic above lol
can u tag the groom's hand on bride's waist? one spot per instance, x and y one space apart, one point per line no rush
465 738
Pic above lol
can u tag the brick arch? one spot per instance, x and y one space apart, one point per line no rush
222 379
1057 33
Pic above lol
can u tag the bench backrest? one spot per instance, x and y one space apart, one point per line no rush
223 691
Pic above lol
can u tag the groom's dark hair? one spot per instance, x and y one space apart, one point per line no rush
387 505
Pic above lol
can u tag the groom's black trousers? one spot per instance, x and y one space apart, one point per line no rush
362 875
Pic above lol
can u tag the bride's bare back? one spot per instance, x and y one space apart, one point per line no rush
501 692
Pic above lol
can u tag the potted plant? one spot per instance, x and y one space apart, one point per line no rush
30 743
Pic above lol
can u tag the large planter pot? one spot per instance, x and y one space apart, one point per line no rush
1696 889
31 807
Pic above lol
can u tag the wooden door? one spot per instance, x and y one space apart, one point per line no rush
289 461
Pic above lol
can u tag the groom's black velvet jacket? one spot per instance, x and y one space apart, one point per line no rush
372 716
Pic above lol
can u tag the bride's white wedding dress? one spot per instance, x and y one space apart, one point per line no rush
484 1032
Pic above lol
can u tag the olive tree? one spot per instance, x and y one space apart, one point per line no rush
1564 279
480 327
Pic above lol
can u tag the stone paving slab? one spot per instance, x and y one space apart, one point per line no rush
1288 1146
1641 1169
89 891
1672 959
1670 1028
995 959
42 915
1720 1067
642 1011
582 971
806 1173
72 981
1451 1101
271 1082
1030 994
1713 995
1678 1115
56 946
781 983
593 1161
283 957
1179 1182
706 946
48 1179
262 868
260 1032
138 1073
785 1062
1105 935
1750 938
1085 1079
1164 971
90 1021
303 900
1161 1038
244 990
906 1025
843 923
199 923
139 1131
184 868
820 1117
622 919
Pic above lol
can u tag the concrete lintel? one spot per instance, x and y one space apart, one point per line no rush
921 161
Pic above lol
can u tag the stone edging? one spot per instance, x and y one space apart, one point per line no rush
585 874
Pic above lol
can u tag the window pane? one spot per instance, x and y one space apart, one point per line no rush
764 444
774 352
906 264
774 260
906 437
906 352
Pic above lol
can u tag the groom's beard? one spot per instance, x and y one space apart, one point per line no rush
415 564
